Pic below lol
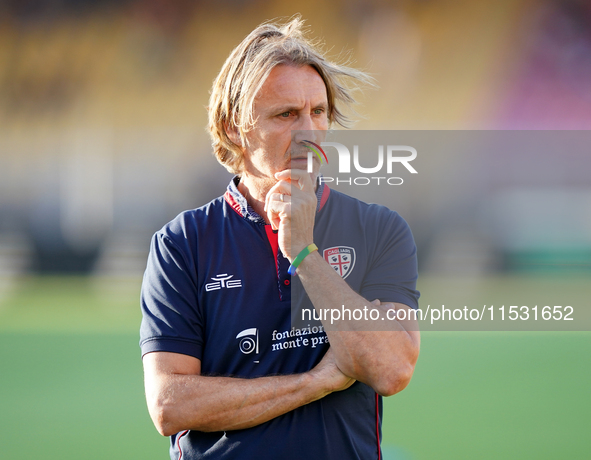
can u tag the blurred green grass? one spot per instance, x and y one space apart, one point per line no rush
492 395
71 379
67 396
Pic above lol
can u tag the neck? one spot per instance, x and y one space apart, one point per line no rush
255 191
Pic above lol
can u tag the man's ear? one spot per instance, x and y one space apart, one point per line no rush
234 134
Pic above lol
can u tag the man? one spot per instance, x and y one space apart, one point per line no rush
226 374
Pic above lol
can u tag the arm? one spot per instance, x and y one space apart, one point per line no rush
180 398
383 359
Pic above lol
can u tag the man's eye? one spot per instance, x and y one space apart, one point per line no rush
284 114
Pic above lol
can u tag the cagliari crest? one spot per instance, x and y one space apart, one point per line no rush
341 258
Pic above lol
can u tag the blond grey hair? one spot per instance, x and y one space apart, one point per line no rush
245 71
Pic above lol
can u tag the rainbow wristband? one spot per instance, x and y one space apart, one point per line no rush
300 257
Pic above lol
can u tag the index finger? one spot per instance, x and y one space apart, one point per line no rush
298 176
282 186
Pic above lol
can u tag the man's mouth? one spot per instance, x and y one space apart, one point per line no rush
299 162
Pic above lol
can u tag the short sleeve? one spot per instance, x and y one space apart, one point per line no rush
171 319
393 271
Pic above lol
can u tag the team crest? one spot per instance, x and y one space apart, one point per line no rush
341 258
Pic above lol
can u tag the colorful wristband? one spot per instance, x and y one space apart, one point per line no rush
300 257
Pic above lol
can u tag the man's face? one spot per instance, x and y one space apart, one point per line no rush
292 98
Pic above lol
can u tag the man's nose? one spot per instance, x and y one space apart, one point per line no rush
306 130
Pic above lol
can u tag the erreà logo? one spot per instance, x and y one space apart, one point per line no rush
222 281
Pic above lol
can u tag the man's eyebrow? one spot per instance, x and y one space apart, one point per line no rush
284 108
322 105
290 108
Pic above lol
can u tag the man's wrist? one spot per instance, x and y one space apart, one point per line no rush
317 384
300 257
309 261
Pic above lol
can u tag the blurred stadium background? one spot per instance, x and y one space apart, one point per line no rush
102 141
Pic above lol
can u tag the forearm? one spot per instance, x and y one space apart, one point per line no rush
224 403
383 359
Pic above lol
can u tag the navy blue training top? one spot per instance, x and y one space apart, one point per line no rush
216 287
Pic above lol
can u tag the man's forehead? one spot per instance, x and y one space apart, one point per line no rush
292 85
